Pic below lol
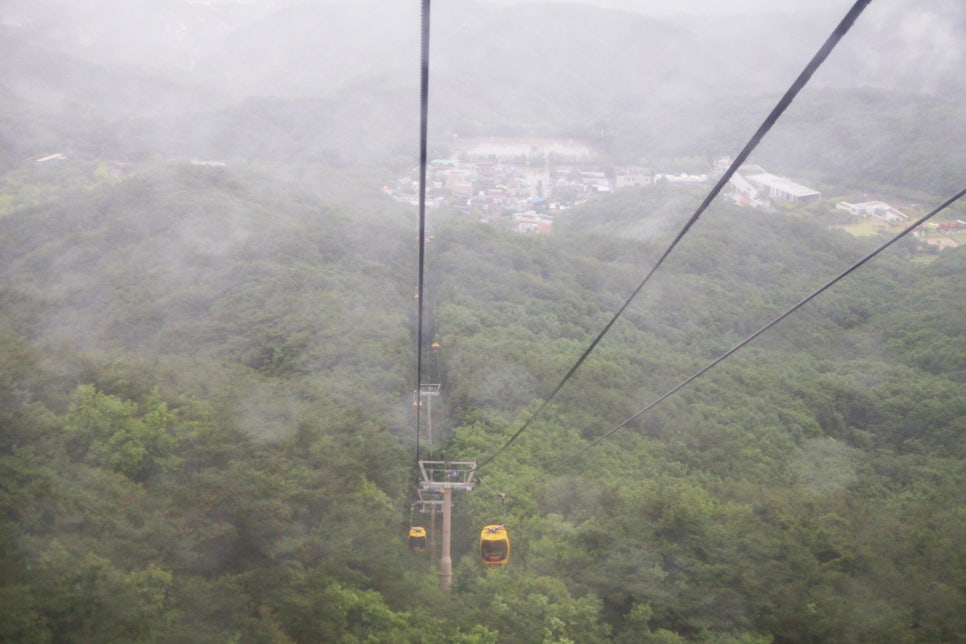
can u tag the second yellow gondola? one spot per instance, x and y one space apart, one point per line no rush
417 539
495 546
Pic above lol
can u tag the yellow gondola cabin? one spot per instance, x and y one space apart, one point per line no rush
494 546
417 539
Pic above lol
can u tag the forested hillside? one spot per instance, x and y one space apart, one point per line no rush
206 427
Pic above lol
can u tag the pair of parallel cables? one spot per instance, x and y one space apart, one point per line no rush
803 78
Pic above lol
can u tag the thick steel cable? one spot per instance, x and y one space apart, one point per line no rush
911 227
786 100
423 127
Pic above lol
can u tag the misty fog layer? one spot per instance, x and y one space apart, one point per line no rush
325 81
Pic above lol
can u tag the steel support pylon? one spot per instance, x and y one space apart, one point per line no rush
444 477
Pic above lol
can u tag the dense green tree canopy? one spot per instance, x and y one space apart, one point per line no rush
206 435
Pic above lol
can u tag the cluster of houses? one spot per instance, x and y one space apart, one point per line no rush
753 186
935 234
526 195
873 209
523 181
527 182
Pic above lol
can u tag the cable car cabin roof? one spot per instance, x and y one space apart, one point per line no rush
494 546
417 531
494 532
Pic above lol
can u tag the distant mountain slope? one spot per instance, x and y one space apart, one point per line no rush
308 80
207 383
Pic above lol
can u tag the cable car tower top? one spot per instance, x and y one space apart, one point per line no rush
453 475
446 476
428 391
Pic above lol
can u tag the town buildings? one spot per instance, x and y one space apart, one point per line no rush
526 182
876 209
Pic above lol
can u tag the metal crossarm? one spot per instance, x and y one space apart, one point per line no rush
429 499
454 475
